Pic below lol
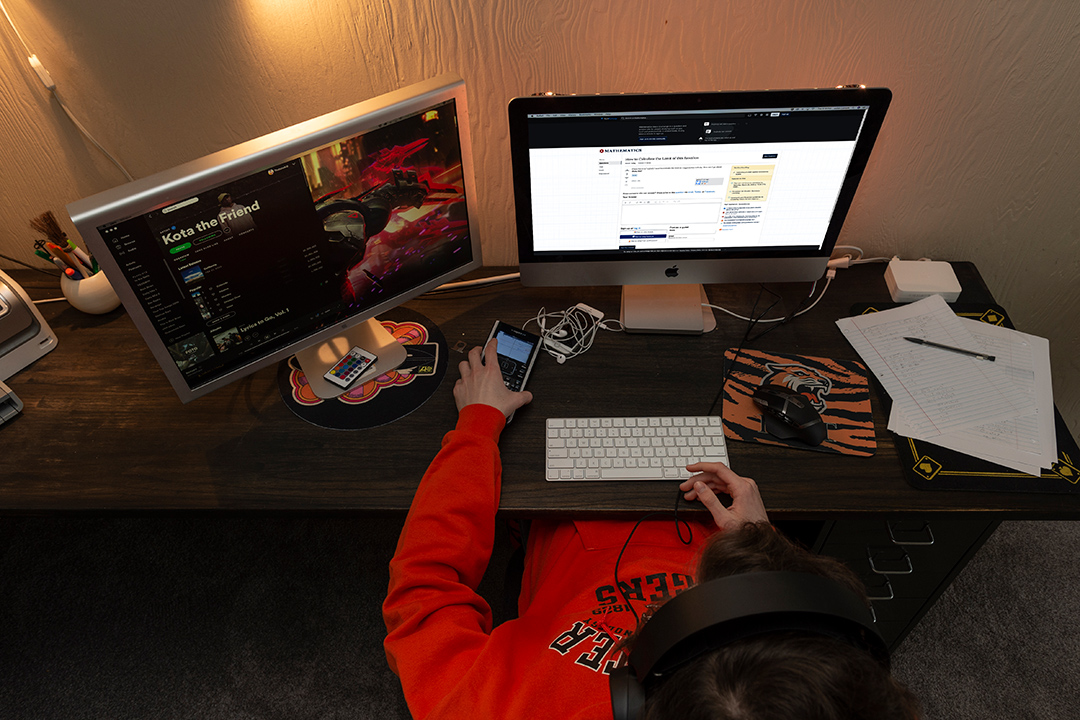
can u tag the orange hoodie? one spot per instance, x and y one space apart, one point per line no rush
552 660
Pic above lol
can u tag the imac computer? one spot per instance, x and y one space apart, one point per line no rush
660 193
293 242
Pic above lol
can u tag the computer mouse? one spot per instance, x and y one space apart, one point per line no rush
791 414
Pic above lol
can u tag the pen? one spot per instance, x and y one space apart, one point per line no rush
972 353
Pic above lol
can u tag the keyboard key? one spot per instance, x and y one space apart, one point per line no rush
629 473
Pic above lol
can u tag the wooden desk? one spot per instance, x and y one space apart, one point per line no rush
103 431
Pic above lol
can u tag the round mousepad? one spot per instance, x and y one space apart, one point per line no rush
390 396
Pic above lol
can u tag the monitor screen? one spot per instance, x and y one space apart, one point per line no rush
660 189
238 260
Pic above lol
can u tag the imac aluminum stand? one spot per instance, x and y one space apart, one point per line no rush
370 336
673 309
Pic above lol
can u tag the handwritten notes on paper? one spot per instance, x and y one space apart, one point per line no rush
1000 410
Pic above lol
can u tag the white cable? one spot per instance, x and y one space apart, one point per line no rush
571 332
829 275
47 81
17 33
850 247
479 281
90 137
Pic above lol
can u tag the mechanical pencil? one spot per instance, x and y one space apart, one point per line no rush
972 353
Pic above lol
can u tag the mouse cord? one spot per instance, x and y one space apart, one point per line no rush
752 322
678 529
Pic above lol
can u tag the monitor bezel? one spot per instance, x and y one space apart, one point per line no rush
669 267
183 181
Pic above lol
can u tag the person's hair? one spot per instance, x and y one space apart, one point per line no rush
780 676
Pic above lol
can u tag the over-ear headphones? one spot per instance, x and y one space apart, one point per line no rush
719 612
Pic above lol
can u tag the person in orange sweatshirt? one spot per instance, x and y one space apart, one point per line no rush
582 591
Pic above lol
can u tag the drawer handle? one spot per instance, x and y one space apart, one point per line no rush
890 561
906 533
878 588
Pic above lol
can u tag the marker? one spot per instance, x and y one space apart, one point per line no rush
972 353
59 252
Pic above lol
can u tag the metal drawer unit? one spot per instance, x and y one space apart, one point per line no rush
905 562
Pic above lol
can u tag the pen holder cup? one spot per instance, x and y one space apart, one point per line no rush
93 295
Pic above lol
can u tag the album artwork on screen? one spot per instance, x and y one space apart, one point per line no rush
268 259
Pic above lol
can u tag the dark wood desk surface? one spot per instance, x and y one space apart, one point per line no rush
102 431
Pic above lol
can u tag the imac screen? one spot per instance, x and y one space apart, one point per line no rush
236 274
624 178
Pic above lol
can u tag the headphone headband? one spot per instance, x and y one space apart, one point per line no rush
721 611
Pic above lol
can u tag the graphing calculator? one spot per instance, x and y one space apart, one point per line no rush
349 367
517 352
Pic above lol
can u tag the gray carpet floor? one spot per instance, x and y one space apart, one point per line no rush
279 618
1003 641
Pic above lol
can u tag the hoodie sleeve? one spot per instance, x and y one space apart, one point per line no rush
436 623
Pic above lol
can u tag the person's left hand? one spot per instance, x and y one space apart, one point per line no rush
482 383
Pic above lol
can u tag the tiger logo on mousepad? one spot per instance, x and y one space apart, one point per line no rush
838 389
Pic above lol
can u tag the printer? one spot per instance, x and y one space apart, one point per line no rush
24 337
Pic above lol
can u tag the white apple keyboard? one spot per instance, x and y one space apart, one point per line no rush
631 448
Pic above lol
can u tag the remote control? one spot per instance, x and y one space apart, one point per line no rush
349 367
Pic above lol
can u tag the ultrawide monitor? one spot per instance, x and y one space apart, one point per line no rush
653 191
293 242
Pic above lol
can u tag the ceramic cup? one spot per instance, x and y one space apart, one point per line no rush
93 295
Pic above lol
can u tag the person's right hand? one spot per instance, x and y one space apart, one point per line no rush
482 382
710 478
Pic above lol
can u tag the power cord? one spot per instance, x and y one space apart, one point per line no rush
50 85
835 263
478 282
830 273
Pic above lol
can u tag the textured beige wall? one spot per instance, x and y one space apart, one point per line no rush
978 158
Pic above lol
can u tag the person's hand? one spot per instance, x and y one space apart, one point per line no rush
482 383
711 478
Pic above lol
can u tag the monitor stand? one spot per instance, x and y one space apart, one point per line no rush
371 336
673 309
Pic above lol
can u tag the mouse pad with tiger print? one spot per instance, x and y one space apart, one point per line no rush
838 389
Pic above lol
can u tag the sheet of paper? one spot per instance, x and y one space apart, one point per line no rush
935 391
1027 443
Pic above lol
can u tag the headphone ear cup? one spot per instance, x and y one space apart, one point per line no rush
627 694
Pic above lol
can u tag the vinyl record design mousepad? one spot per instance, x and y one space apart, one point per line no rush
383 399
838 389
931 467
